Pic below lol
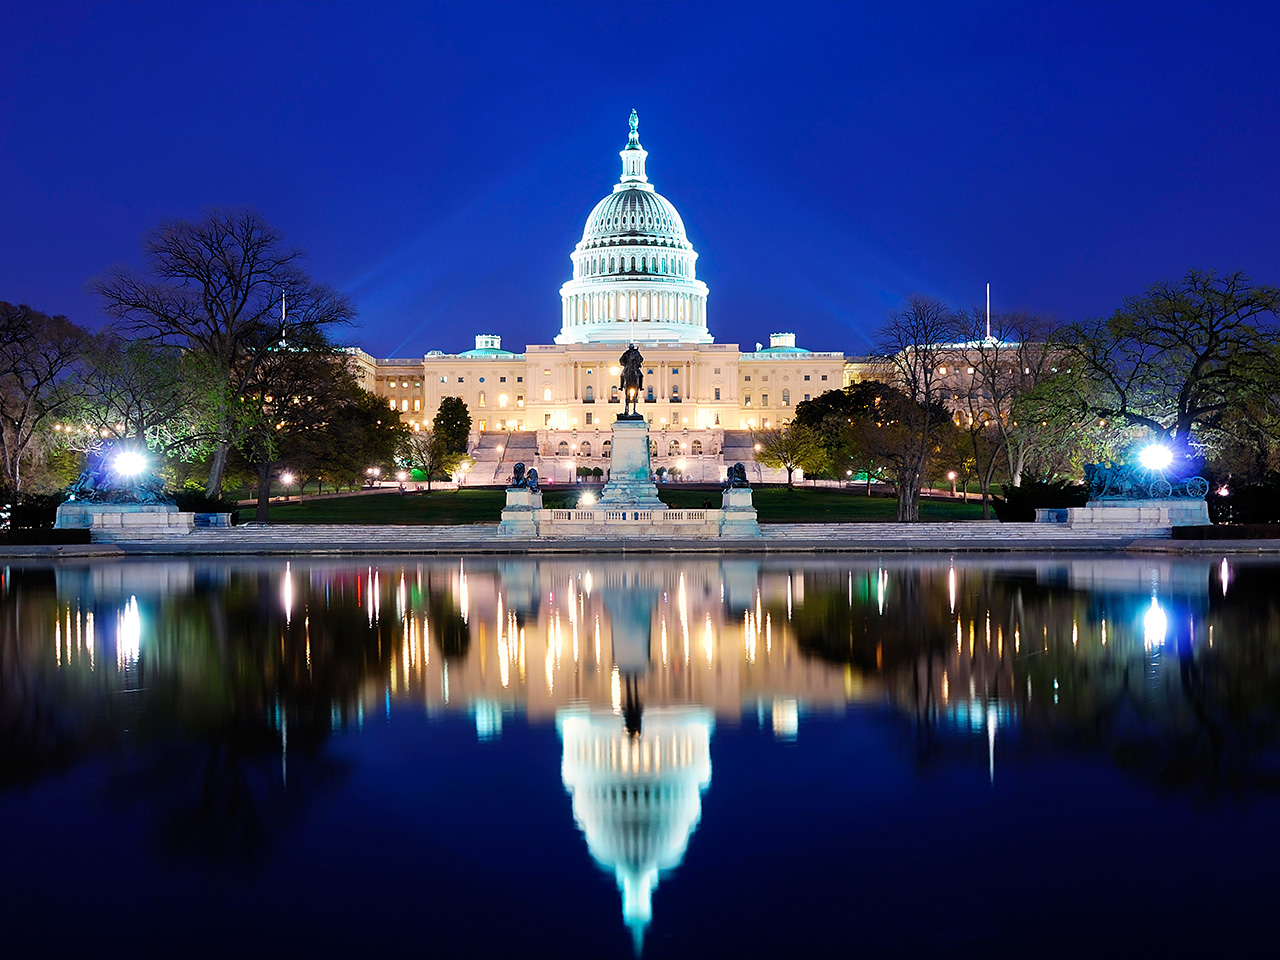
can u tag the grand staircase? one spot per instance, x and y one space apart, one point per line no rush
498 451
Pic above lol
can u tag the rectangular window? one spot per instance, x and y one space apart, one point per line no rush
717 393
806 396
747 378
502 379
444 379
824 376
404 406
746 401
806 376
589 419
764 399
519 399
546 373
588 372
717 369
405 384
393 403
460 379
417 404
519 379
546 419
675 371
765 378
482 426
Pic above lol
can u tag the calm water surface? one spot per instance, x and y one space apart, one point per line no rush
590 758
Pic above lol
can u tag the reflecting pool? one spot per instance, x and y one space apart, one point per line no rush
585 757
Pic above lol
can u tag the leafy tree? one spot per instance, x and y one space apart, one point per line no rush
38 356
883 437
452 425
1182 358
144 393
791 447
428 452
296 389
358 431
216 289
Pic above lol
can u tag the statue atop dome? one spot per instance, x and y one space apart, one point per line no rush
634 139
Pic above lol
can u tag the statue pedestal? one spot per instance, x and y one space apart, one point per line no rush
123 521
1130 516
520 515
738 515
630 483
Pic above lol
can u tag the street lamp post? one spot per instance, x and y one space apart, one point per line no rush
286 479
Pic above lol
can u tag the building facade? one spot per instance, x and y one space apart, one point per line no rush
634 280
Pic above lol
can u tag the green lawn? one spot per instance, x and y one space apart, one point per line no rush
774 504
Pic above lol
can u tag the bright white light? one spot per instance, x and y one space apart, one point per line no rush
286 478
130 463
1155 625
587 499
1155 457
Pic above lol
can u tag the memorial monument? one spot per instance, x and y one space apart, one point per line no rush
118 497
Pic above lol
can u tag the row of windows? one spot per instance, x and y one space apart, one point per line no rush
765 377
674 448
445 379
764 399
643 264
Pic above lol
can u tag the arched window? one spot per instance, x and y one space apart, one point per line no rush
563 449
613 394
611 265
633 264
650 396
673 448
480 399
502 400
675 391
606 448
664 264
546 393
786 397
697 448
586 448
589 394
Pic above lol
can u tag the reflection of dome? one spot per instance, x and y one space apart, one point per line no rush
637 799
633 271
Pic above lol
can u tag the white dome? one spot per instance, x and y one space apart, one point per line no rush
634 216
634 271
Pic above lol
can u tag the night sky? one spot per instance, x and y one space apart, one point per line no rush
438 161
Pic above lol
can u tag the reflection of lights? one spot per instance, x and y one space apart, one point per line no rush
991 741
785 719
1226 575
1155 625
882 579
615 690
128 635
1155 457
951 586
286 594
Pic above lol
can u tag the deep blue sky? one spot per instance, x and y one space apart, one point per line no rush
438 161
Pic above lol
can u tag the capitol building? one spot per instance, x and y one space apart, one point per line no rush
634 280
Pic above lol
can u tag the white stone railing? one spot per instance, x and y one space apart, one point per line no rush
629 516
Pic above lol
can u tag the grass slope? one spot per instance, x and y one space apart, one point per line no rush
774 505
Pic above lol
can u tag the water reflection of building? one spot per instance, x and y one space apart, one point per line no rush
636 797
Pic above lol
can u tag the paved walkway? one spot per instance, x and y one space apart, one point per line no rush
968 536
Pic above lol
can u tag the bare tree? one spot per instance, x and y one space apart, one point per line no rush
216 289
993 371
38 354
917 343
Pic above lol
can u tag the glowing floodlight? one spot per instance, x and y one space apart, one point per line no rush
1155 457
587 499
129 463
